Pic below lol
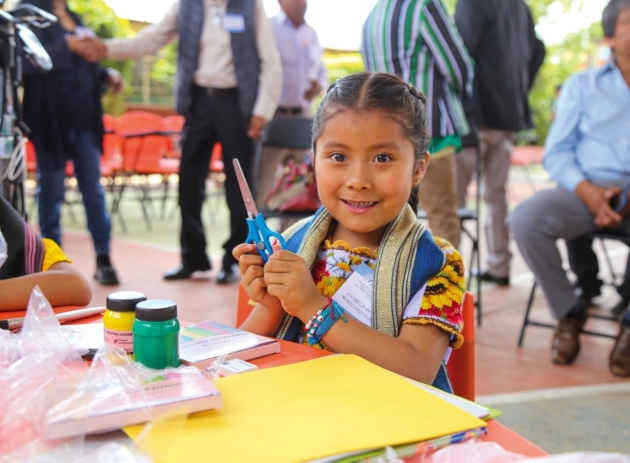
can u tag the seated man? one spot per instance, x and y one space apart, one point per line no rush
588 154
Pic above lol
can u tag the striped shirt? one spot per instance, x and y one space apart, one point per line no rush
418 41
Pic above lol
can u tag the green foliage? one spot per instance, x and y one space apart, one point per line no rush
572 54
104 22
164 68
340 63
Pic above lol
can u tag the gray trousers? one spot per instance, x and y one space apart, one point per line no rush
536 225
496 153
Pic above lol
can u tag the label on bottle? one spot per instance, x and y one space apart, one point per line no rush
118 338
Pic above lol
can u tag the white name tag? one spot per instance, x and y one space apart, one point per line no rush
355 295
234 22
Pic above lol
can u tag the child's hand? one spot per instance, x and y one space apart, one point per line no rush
251 267
288 277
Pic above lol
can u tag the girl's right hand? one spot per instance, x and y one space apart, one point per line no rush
251 267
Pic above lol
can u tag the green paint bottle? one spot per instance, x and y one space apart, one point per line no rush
156 334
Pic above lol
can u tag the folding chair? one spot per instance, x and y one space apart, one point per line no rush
603 234
282 132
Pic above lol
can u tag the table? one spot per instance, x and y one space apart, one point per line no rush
293 353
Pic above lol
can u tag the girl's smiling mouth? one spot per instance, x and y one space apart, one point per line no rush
359 206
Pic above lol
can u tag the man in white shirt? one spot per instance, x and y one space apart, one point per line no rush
228 84
303 71
304 77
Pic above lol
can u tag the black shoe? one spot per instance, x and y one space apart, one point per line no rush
500 281
184 272
228 275
105 273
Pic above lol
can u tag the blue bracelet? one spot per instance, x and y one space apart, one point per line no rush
323 322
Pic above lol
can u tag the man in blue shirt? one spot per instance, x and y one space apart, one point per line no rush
588 154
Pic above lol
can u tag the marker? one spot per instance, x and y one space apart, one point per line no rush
16 323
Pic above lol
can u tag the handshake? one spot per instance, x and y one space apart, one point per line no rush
89 48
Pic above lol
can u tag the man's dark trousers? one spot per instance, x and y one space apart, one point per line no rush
214 118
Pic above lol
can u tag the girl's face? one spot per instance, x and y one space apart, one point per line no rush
365 170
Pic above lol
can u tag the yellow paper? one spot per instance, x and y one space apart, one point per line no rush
311 410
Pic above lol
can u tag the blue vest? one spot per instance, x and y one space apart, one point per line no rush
244 53
421 261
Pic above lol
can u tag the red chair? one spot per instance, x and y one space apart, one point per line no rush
144 148
461 365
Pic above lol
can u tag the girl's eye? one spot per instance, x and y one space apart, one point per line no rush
383 158
338 157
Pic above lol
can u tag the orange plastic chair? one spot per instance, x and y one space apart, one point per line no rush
461 365
144 148
142 152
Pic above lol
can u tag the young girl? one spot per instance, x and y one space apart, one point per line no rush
32 261
370 152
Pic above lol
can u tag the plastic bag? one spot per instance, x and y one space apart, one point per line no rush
491 452
38 369
474 452
41 372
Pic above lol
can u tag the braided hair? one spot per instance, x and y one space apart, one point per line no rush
387 94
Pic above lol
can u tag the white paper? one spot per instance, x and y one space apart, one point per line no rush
355 295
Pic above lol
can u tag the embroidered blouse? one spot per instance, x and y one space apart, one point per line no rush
438 303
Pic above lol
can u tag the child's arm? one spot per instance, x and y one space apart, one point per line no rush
417 353
62 285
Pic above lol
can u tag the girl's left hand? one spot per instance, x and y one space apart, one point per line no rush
288 278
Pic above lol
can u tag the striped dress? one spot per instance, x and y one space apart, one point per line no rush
418 41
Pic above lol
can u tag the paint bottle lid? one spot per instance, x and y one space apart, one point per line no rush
124 301
156 310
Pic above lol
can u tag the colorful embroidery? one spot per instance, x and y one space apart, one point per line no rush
443 296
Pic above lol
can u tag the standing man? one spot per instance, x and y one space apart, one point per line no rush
304 77
228 85
418 42
500 38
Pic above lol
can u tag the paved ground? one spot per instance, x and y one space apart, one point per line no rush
596 420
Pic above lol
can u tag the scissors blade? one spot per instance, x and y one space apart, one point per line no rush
250 205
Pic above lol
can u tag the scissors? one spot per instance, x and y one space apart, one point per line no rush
259 233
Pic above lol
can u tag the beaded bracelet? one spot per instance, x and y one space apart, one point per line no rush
322 321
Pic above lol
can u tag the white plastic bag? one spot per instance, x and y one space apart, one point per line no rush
491 452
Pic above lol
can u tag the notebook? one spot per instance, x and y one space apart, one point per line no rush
201 344
158 396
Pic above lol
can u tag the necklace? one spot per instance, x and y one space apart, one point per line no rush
215 12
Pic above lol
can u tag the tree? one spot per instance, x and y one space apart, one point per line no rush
574 53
